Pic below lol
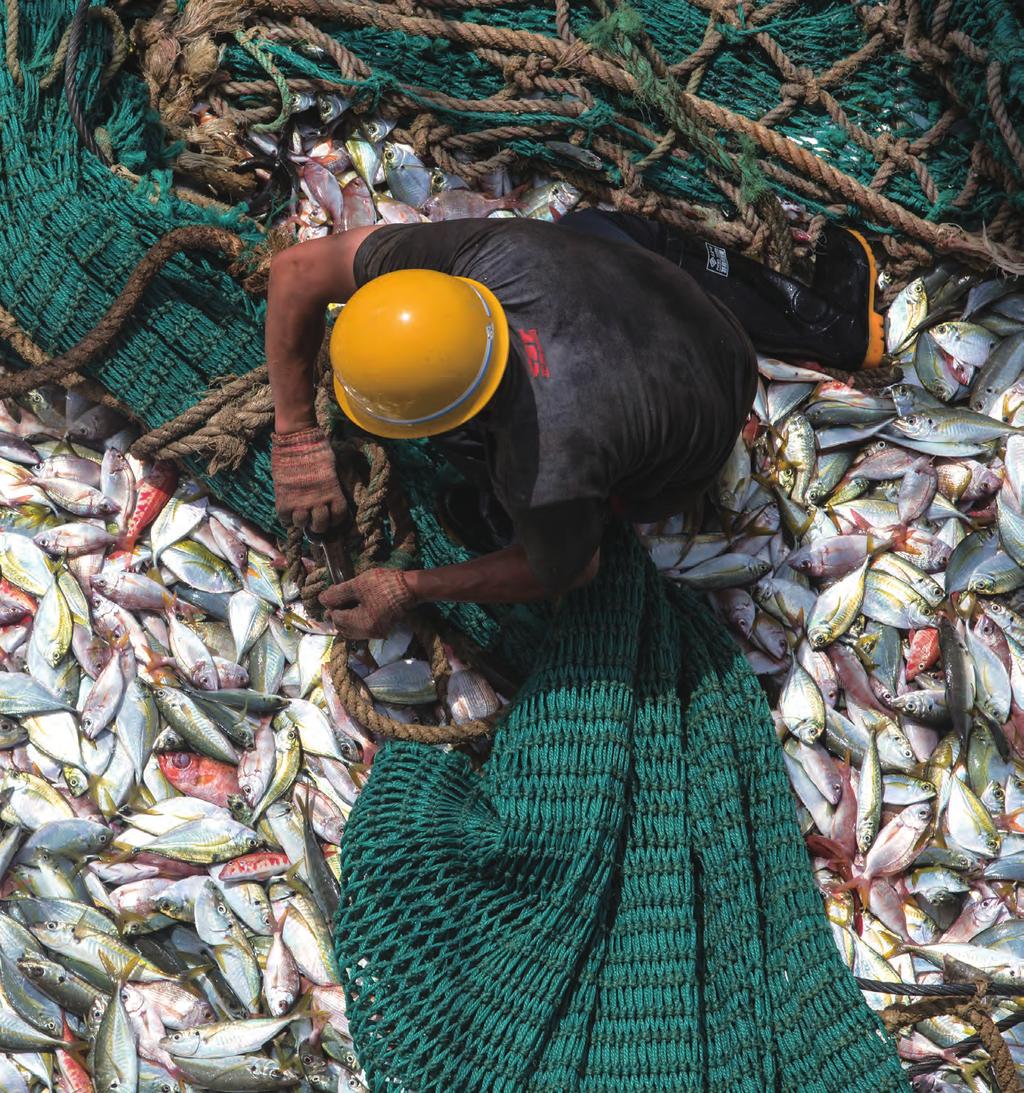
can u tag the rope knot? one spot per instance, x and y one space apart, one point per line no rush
872 18
524 70
639 204
812 90
792 91
896 148
804 86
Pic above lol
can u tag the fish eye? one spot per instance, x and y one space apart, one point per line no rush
221 909
53 925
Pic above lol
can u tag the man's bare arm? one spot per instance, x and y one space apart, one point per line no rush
304 279
502 577
368 606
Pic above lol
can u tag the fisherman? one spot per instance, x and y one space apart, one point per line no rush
600 366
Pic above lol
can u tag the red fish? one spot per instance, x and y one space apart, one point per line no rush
322 187
357 204
155 490
74 1075
844 819
456 204
259 866
924 651
15 604
167 867
200 776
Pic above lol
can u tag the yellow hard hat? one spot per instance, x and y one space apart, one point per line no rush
417 352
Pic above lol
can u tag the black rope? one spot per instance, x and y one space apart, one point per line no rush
936 990
71 79
927 1066
946 990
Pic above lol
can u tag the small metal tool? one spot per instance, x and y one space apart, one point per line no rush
330 551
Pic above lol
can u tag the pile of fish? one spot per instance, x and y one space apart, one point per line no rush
175 774
334 171
867 550
176 767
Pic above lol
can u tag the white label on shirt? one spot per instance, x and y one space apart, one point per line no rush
718 260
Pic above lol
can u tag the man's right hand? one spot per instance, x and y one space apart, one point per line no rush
306 488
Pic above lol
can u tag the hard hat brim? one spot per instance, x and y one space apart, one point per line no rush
462 413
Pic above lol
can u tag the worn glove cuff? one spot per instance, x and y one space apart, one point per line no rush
396 593
299 440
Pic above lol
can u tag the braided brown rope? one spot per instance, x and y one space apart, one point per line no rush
13 23
994 88
220 427
12 333
972 1012
356 700
157 443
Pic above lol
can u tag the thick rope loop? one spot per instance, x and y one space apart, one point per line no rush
355 698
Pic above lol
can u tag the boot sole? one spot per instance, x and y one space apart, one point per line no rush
876 324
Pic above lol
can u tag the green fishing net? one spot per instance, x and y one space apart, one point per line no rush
621 900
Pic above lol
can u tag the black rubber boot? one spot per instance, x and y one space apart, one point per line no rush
845 273
787 318
831 321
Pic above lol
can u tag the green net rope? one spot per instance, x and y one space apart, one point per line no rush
620 900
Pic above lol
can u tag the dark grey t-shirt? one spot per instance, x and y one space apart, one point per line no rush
626 382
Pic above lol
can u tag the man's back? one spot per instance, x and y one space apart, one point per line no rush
624 379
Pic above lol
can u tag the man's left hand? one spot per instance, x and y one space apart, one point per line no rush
369 605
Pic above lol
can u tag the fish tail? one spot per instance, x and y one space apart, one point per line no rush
192 974
824 847
858 886
899 538
127 539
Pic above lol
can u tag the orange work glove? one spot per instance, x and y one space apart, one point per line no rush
306 487
369 605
